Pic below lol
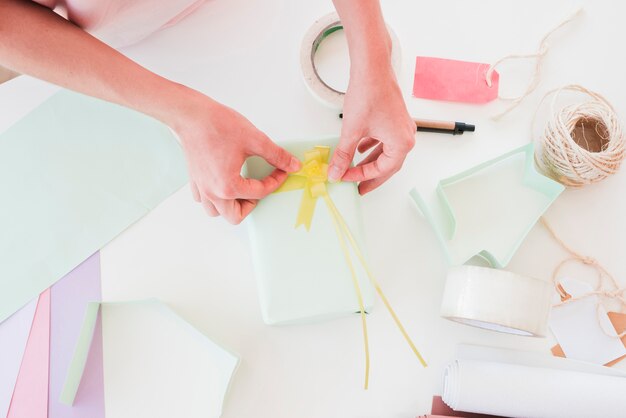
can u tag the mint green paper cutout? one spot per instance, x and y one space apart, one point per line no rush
119 320
74 173
488 210
79 360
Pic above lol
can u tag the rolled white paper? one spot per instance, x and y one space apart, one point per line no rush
497 300
516 390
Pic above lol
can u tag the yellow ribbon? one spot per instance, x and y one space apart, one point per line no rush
312 179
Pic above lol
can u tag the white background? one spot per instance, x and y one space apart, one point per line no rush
246 54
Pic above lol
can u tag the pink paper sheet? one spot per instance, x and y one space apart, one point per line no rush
452 80
13 338
70 296
30 395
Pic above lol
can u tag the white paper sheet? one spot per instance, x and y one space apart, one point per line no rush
13 336
578 327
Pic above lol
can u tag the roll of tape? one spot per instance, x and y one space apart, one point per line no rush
323 27
497 300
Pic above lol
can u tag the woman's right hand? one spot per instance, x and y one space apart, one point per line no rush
217 140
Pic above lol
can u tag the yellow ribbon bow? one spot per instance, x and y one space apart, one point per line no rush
312 178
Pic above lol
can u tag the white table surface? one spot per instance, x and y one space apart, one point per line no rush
245 54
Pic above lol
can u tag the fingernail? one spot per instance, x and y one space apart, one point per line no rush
294 165
333 174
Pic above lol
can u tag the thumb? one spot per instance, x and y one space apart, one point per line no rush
342 157
277 156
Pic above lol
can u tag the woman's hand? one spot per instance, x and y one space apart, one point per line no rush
217 140
374 116
374 113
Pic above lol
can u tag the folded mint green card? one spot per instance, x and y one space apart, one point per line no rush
74 173
489 209
303 275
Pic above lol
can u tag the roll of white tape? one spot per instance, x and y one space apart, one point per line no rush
323 27
497 300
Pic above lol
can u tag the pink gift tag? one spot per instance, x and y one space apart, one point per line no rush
452 80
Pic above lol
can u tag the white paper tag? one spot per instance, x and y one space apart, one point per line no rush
576 326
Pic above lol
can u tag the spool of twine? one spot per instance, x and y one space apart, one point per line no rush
582 143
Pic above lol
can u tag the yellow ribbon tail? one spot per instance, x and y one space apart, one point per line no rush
306 210
337 216
357 288
397 320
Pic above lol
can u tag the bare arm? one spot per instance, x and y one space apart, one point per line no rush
36 41
367 35
375 115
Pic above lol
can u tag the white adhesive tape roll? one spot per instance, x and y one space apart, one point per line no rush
497 300
323 27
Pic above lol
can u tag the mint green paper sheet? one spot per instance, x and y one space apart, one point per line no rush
77 365
74 173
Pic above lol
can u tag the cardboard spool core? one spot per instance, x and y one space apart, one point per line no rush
591 134
328 30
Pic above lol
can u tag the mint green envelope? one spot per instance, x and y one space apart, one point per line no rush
302 275
488 210
74 173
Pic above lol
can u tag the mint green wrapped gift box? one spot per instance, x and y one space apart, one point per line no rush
302 275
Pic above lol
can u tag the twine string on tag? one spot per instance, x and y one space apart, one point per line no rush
617 292
538 56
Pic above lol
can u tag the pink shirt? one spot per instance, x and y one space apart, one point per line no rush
121 23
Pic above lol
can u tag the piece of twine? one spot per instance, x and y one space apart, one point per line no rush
582 143
616 292
538 56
